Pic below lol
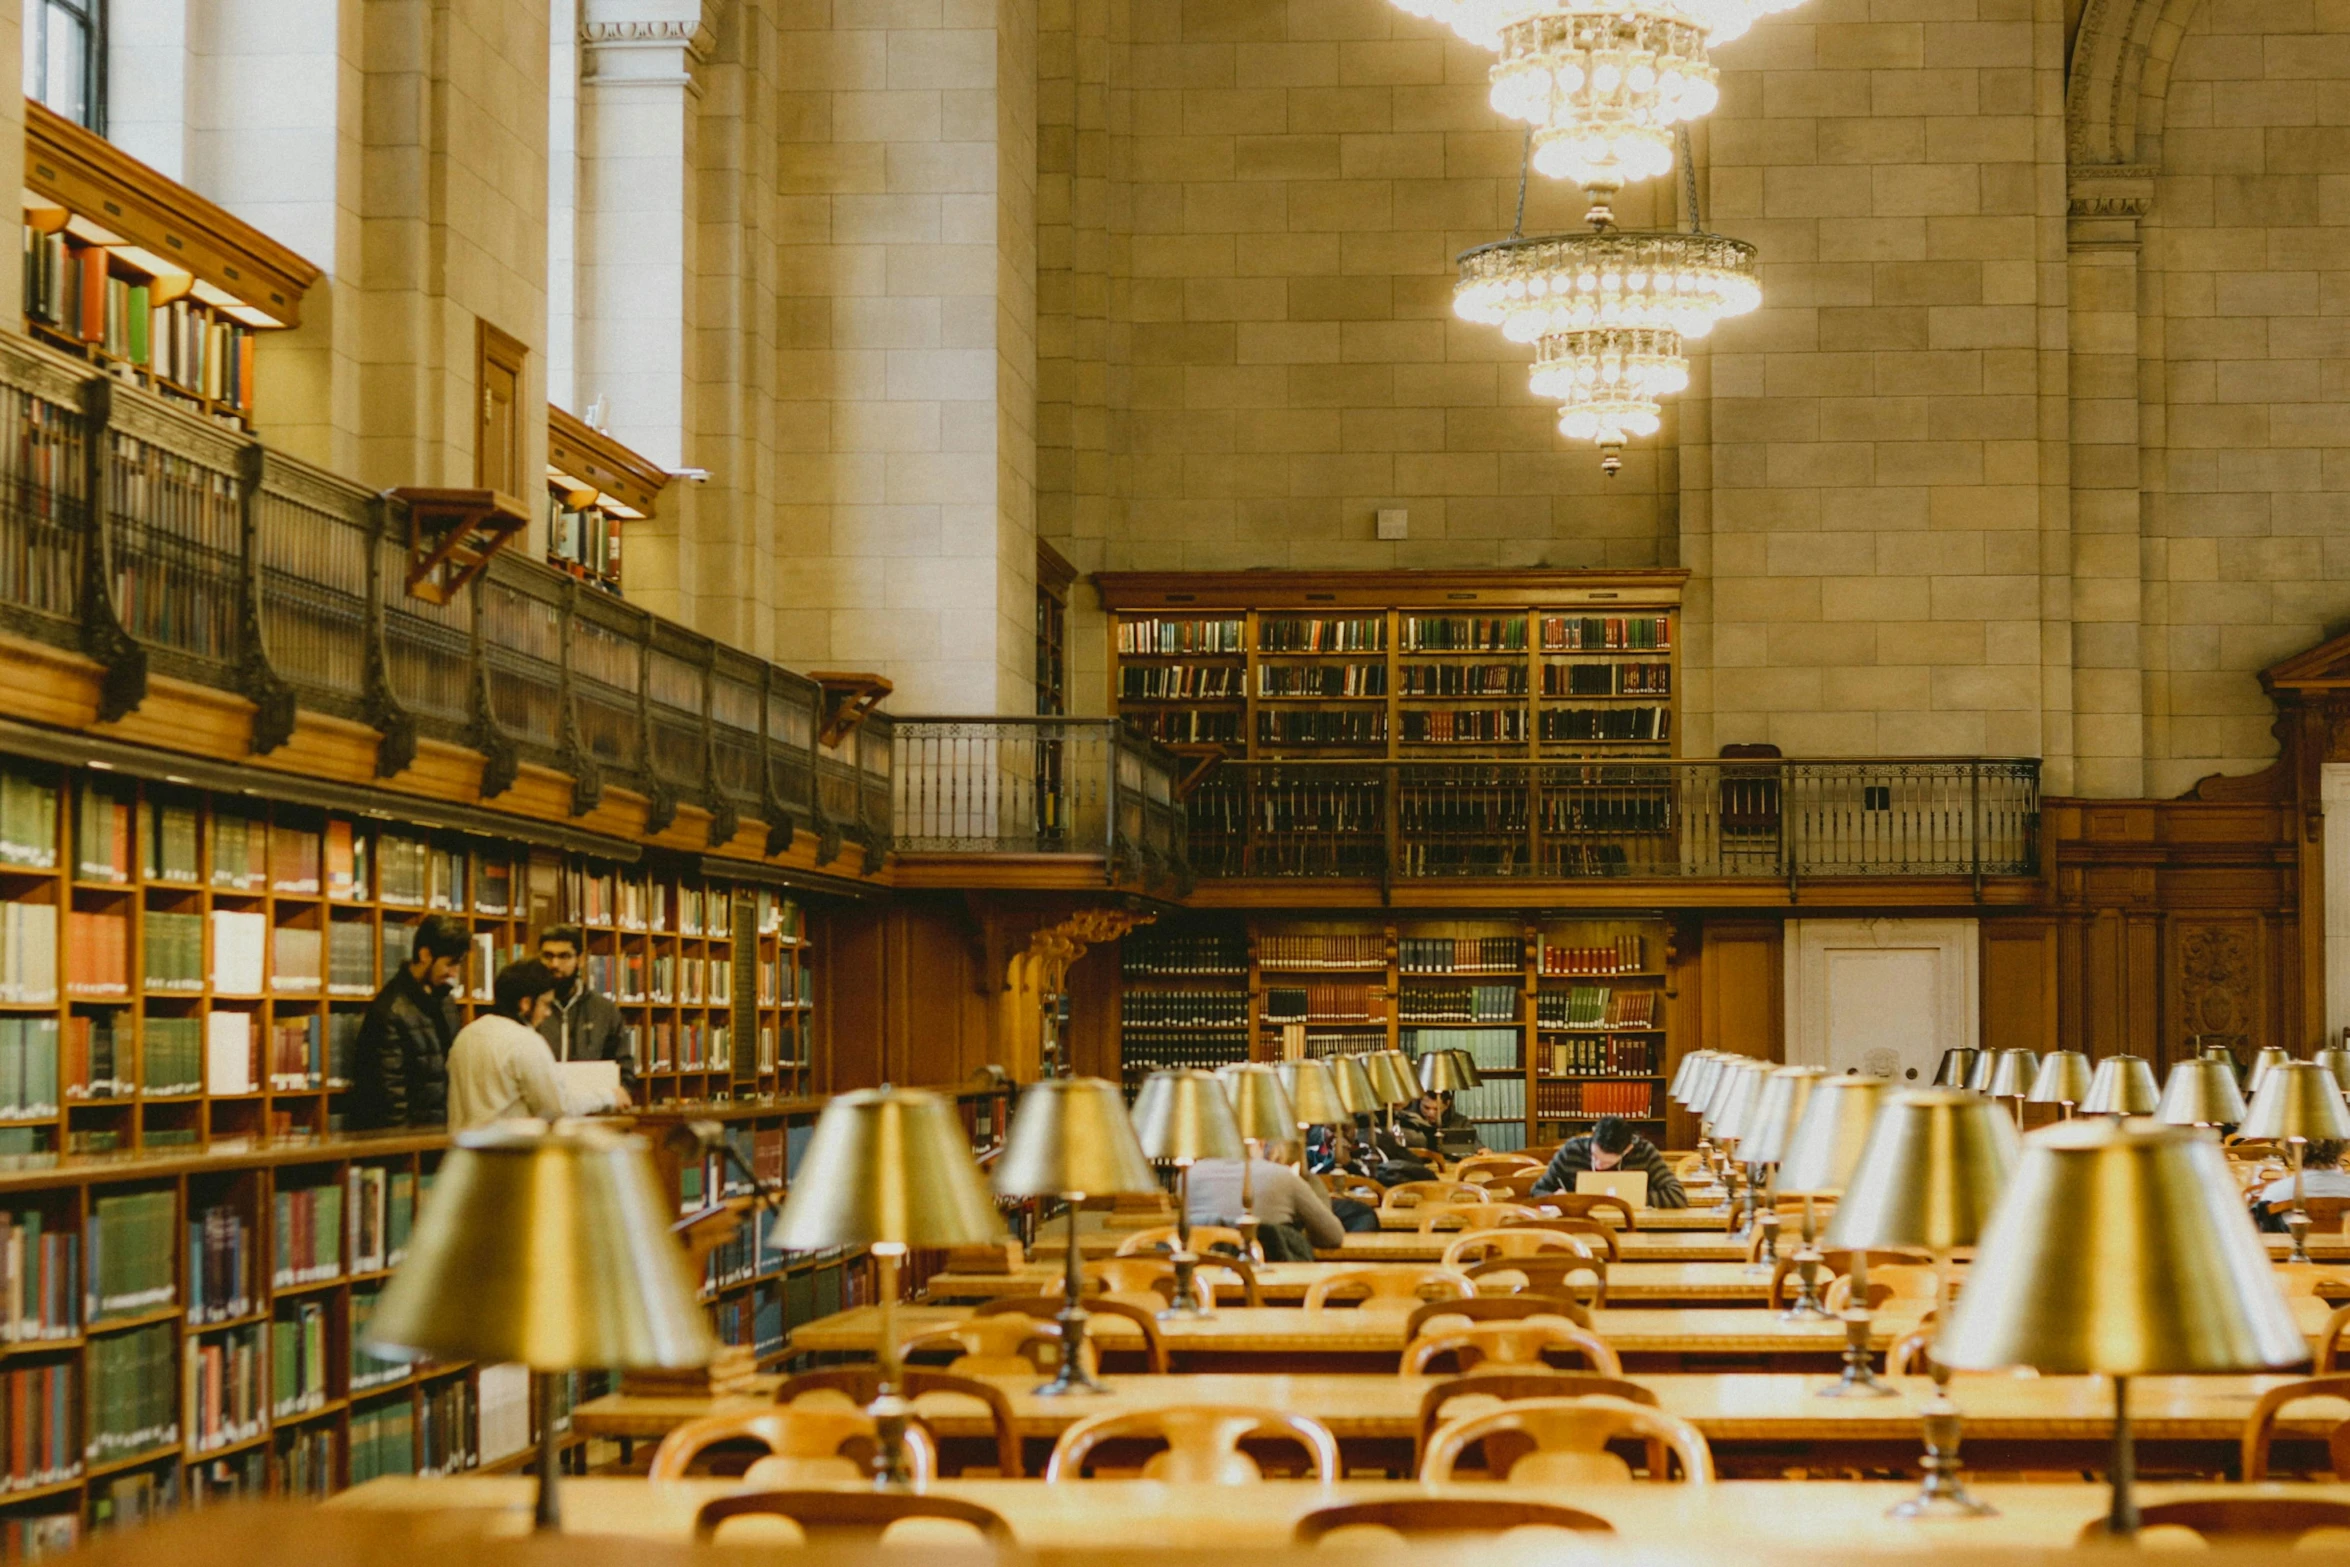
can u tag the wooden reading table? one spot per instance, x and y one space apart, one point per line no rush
1286 1283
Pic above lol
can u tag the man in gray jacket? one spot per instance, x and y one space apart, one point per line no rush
582 1024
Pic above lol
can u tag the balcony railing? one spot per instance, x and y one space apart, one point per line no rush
157 543
1779 820
1083 786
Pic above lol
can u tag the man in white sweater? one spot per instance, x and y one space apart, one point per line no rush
499 1065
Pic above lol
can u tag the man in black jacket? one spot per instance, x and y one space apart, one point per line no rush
583 1024
1611 1144
400 1065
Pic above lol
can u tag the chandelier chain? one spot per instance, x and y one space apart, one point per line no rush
1525 167
1689 176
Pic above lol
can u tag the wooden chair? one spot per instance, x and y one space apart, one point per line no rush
1506 1386
1360 1187
803 1446
1511 1345
2327 1214
1908 1284
1156 1276
998 1344
1551 1274
2260 1426
847 1517
1600 1235
1512 1188
1161 1238
1411 1194
2329 1340
861 1385
1387 1288
1492 1308
1435 1216
1570 1437
1484 1167
1418 1516
2309 1278
1907 1356
1591 1205
1475 1246
1154 1344
1833 1266
2270 1519
1203 1442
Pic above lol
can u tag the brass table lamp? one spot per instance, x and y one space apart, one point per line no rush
2201 1092
2121 1249
1070 1138
1262 1109
1978 1073
1678 1089
2336 1061
1440 1072
1785 1091
890 1170
1354 1086
1818 1162
1182 1116
1935 1166
2297 1103
2262 1060
2122 1085
1470 1075
2223 1054
1392 1081
1957 1066
1313 1094
551 1249
2064 1080
2012 1074
1733 1109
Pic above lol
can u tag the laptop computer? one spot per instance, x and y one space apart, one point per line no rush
1631 1185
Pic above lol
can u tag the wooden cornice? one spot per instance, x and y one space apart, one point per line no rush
1537 587
1053 571
590 455
86 174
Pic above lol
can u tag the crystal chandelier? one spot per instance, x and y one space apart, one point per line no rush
1602 83
1610 311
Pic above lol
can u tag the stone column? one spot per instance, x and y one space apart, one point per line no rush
2108 570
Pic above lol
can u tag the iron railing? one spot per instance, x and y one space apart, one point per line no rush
1780 820
156 542
1038 786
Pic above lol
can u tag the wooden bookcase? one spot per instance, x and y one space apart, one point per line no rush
1566 1015
1419 666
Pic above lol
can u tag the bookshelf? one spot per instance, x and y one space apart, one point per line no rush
146 279
1273 666
595 486
1566 1017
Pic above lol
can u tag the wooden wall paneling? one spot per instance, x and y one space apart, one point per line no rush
2221 978
2019 994
1730 979
849 945
1094 993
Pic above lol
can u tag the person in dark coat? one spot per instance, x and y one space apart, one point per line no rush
400 1063
1611 1144
583 1024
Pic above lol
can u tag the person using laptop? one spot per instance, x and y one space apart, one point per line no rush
1431 1122
1611 1144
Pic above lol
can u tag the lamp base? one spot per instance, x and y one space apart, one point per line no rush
1807 1302
1860 1378
1766 1261
1944 1494
1187 1305
2297 1225
1072 1376
891 1469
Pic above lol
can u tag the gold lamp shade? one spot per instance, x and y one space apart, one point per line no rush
887 1165
1957 1066
2201 1092
1934 1167
2122 1085
1708 1066
1070 1137
1313 1093
1685 1074
1391 1077
1260 1104
2122 1248
1718 1088
2012 1072
1828 1138
1469 1073
2064 1079
1736 1115
1440 1072
2336 1061
2266 1057
1183 1115
1354 1086
1786 1091
2296 1099
1978 1072
548 1248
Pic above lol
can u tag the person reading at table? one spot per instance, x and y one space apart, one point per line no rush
1611 1144
1292 1218
2322 1175
1425 1121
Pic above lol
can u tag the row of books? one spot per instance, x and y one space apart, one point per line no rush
220 1264
226 1401
1187 726
37 1426
1350 951
213 1481
1183 1009
1460 954
1207 1050
588 538
1464 725
753 1321
1459 1004
446 1432
1179 682
381 1203
1627 954
130 1253
350 956
98 1056
307 1233
1492 1049
28 821
71 288
1463 633
1610 1056
40 1279
1312 680
1327 1003
1463 679
1314 634
369 1371
306 1461
383 1440
1321 1044
1151 951
1591 1099
298 1373
1595 1006
28 952
1323 726
684 1047
1182 636
1495 1099
1607 723
1613 678
1601 633
313 1052
129 1393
